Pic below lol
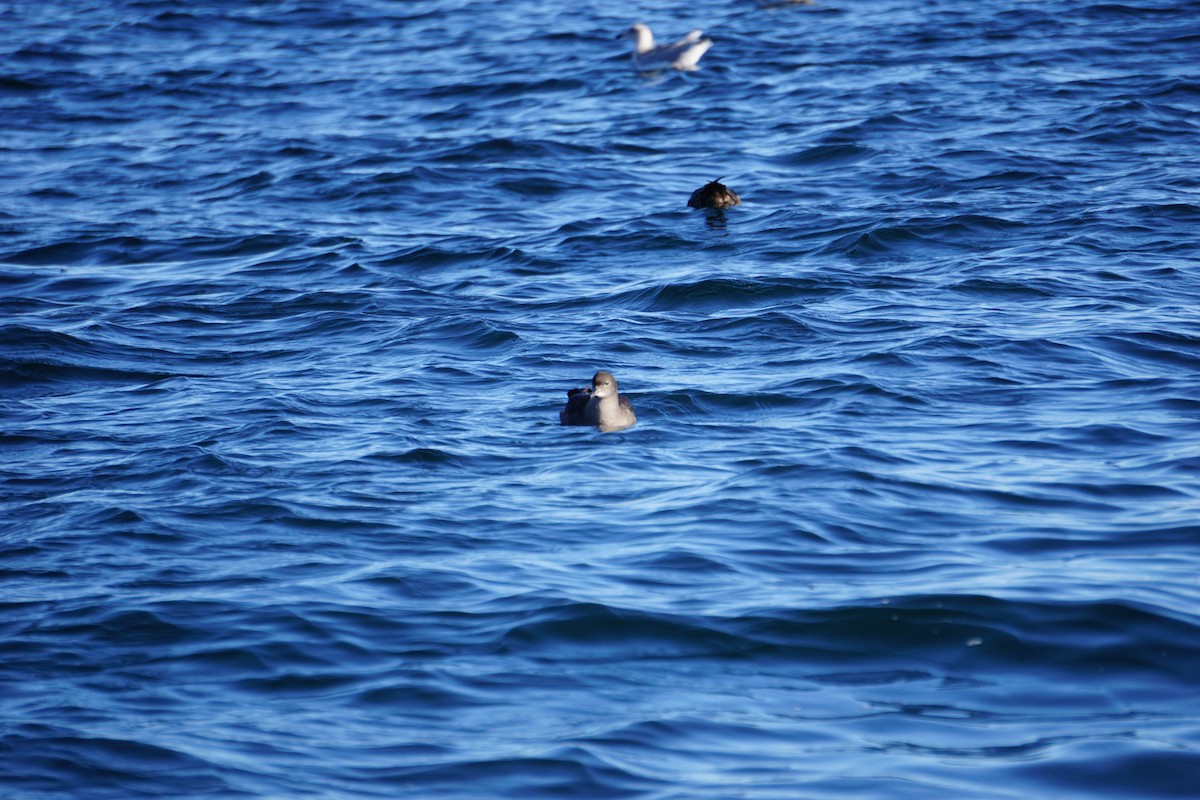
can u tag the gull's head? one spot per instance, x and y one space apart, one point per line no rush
603 385
641 35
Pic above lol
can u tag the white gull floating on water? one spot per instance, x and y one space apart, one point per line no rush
682 54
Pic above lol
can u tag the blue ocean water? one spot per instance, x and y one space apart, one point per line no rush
290 296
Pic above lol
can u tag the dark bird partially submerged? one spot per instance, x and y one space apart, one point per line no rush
714 194
599 405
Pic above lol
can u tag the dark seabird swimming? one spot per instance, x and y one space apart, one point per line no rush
599 405
714 194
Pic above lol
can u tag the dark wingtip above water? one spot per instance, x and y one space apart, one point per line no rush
714 194
599 405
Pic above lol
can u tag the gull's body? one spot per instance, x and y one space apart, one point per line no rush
600 405
682 54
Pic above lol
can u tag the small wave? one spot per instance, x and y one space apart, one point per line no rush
922 235
890 239
33 378
48 52
1001 288
561 771
588 630
831 154
701 405
727 293
422 456
916 633
457 333
532 186
15 85
61 759
127 250
510 149
1147 538
1116 769
428 256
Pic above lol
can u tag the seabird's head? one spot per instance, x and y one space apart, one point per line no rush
603 384
642 37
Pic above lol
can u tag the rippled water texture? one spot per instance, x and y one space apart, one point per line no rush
290 296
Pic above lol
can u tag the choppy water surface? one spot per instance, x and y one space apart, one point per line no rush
290 295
